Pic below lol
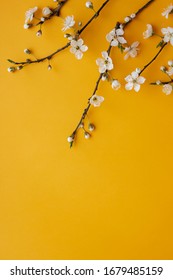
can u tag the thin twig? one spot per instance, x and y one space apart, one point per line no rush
100 76
50 56
154 58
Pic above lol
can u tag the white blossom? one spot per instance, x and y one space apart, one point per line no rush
132 50
96 100
104 63
68 23
134 81
167 89
115 37
77 48
149 32
30 14
46 11
115 84
168 35
167 11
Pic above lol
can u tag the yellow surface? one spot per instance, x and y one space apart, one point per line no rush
110 197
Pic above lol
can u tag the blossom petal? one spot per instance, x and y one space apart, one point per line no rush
79 54
136 87
141 80
129 86
84 48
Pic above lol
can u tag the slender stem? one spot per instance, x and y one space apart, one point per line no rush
94 16
154 58
68 44
55 12
100 76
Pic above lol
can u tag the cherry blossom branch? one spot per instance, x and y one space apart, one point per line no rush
85 112
79 32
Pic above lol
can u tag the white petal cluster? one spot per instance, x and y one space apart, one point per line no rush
30 14
134 81
132 51
104 63
149 32
167 89
46 11
68 23
168 35
77 48
167 11
96 100
115 37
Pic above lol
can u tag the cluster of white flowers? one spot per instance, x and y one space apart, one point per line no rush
29 16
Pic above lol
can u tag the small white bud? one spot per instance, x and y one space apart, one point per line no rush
42 19
127 19
39 33
87 135
91 127
70 139
138 70
11 69
158 82
163 68
133 16
27 51
20 67
26 26
81 125
89 4
49 67
80 23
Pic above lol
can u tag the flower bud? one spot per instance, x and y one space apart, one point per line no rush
26 26
27 51
127 19
87 135
91 127
49 67
158 82
89 4
138 70
39 33
133 16
70 139
20 67
11 69
163 68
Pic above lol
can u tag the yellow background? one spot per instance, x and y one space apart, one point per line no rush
109 197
